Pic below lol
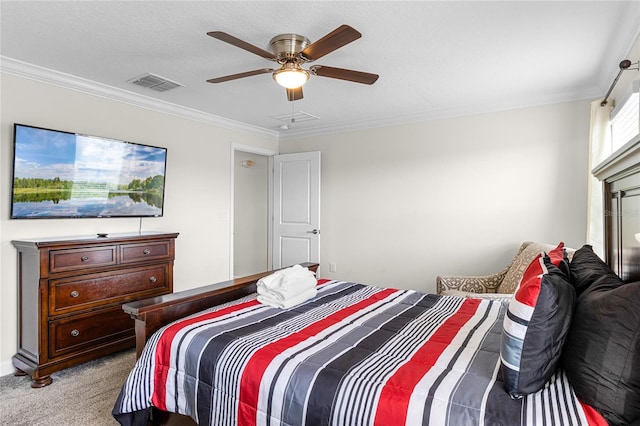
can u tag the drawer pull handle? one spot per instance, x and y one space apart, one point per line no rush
75 333
153 279
146 251
75 293
84 258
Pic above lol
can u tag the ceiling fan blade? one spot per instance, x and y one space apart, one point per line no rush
344 74
294 94
239 75
337 38
228 38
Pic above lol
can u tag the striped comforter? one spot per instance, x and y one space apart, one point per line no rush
353 355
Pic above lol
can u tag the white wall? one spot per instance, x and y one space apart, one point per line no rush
401 205
198 186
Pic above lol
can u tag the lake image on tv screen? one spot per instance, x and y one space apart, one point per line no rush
58 174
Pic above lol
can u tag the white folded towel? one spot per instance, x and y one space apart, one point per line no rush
295 284
285 293
266 299
270 281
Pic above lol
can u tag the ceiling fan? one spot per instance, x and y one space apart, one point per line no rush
290 51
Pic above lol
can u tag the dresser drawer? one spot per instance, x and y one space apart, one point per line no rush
143 252
92 329
91 290
78 259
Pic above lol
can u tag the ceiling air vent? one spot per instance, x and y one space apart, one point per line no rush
296 117
154 82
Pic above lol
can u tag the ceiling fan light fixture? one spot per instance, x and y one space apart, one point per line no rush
290 52
291 78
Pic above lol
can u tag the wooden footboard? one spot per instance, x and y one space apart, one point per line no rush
153 313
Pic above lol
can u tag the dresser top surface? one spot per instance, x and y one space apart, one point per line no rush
95 239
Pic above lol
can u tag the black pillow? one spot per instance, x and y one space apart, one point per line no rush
601 355
586 267
536 324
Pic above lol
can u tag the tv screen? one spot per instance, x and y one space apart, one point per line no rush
59 174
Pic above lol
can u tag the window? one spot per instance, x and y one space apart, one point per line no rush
625 118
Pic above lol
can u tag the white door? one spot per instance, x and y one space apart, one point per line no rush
296 209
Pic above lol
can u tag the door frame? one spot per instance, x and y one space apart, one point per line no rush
269 153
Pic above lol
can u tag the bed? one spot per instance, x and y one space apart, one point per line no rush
357 354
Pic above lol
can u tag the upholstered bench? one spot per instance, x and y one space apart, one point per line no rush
500 285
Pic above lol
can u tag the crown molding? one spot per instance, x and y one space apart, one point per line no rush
45 75
586 94
68 81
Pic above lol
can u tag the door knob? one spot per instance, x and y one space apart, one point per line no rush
315 231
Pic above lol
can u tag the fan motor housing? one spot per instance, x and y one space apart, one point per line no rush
287 46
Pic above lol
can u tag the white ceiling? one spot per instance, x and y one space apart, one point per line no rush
435 59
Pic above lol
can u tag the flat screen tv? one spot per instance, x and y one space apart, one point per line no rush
58 174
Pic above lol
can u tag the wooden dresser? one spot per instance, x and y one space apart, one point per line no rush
71 292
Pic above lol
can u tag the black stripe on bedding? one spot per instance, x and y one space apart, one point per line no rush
378 369
303 370
556 405
211 368
357 395
293 411
345 337
466 392
324 391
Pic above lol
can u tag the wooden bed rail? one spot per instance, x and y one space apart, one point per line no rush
153 313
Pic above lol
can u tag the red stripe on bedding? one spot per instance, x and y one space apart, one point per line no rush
394 398
593 417
262 358
163 350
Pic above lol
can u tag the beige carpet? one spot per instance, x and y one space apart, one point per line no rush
79 396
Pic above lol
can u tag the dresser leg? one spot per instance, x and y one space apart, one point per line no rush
19 373
41 382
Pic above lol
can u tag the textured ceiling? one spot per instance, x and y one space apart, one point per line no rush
435 59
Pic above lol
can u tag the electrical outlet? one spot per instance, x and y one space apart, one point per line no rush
332 267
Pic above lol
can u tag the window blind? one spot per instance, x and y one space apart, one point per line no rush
625 118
